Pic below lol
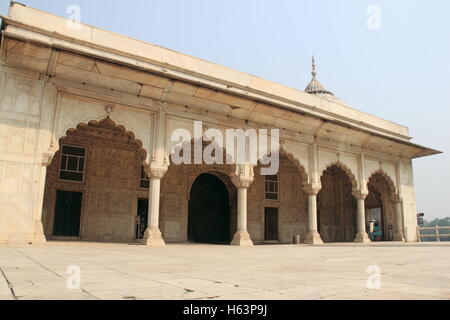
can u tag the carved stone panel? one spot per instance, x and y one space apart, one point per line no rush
111 181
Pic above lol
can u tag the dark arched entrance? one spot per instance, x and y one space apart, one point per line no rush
380 207
374 214
336 206
209 210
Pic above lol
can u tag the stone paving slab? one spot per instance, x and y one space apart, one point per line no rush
195 271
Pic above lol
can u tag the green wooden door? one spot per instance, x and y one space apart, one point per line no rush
209 211
271 223
67 214
142 212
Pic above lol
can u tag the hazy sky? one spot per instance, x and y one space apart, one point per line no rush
399 71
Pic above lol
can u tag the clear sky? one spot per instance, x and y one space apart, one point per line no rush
399 71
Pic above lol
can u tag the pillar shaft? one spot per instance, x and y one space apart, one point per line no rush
154 196
399 235
242 237
361 216
242 209
312 212
313 236
38 236
361 235
152 235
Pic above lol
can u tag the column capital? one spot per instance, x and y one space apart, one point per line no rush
243 176
242 181
312 189
360 194
153 171
47 158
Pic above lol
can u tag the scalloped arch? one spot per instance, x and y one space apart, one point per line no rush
387 179
346 169
204 143
107 123
296 162
222 175
300 167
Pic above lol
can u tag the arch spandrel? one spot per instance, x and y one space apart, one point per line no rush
222 168
388 170
299 155
181 133
348 162
345 169
73 113
109 124
388 181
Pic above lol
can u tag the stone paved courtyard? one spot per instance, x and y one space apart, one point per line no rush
197 271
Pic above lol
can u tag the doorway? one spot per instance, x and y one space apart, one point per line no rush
209 210
271 224
142 213
375 225
67 214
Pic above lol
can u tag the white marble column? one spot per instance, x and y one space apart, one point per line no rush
361 234
313 236
38 236
242 237
44 153
152 235
399 235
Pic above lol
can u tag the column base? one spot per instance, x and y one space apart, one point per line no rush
362 237
242 239
313 237
153 238
399 237
39 237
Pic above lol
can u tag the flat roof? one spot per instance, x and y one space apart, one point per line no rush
154 58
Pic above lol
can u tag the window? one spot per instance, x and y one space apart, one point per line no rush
271 187
72 163
144 181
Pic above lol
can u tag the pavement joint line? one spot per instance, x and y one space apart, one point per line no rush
398 275
87 292
144 278
11 289
169 284
39 264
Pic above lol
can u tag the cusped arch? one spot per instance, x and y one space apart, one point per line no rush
224 171
107 123
347 171
222 175
192 143
290 157
390 183
298 165
71 113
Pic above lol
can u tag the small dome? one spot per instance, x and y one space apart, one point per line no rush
315 87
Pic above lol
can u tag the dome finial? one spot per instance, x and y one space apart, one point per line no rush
315 87
314 73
